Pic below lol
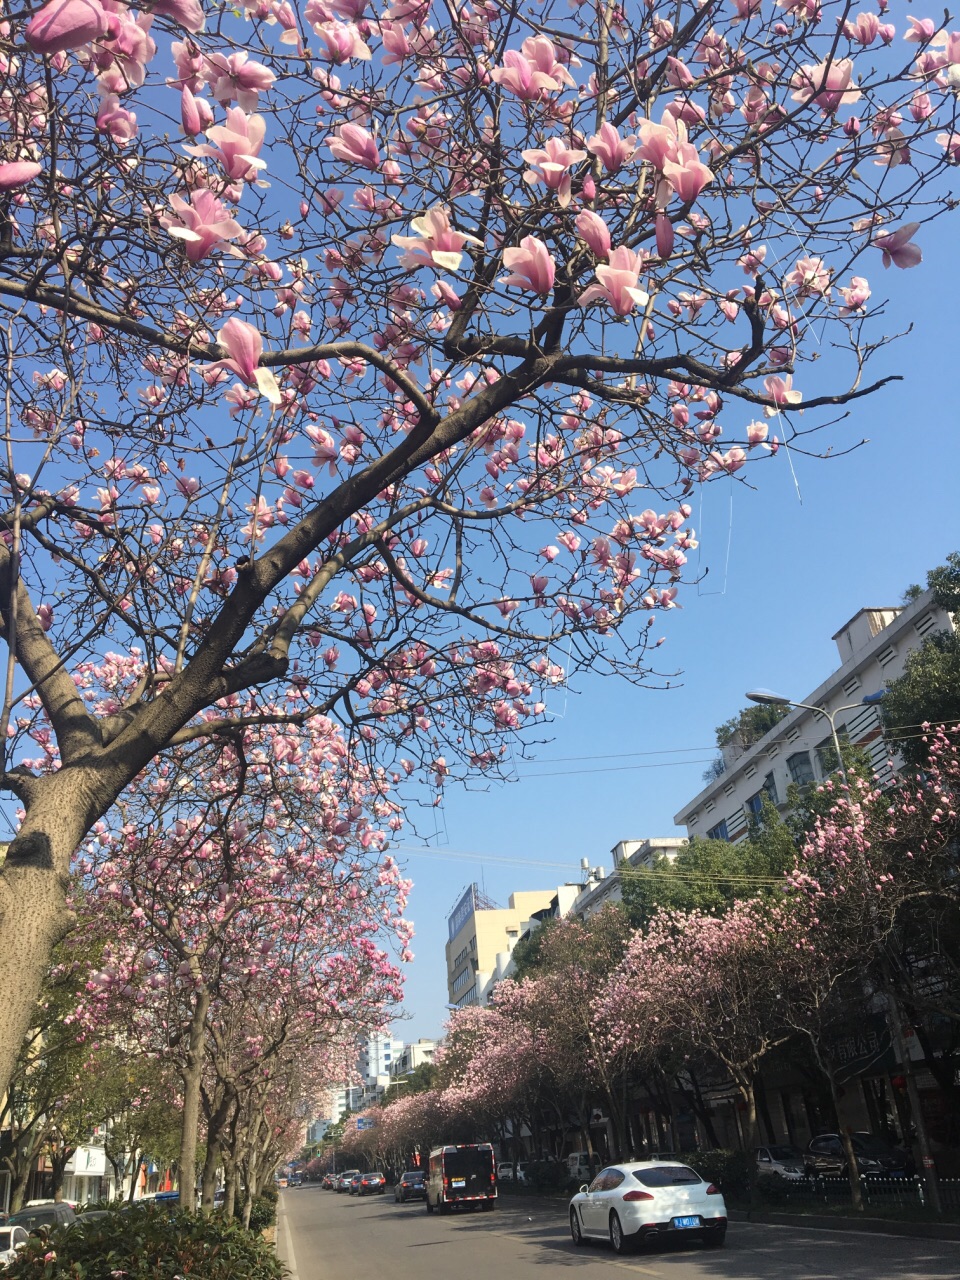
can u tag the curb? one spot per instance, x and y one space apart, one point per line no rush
871 1226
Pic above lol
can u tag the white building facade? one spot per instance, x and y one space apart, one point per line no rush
602 889
873 647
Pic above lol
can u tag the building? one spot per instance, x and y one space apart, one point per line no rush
416 1054
873 647
601 889
482 936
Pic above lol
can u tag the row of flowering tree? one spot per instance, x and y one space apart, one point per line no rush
377 352
693 995
252 927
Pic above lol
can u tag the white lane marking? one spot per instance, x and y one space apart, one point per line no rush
291 1258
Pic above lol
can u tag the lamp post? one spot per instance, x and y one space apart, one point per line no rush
895 1016
766 698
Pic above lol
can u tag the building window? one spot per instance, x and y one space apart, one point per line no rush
801 769
750 770
719 832
793 734
729 789
851 686
827 756
770 787
886 655
754 806
461 980
924 624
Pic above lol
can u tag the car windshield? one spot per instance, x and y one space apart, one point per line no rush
413 1177
784 1153
668 1175
33 1218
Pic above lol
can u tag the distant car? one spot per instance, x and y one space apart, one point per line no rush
327 1181
295 1180
505 1171
629 1204
354 1187
12 1240
782 1160
372 1184
410 1186
876 1158
345 1178
51 1214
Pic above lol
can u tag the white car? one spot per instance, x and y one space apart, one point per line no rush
505 1171
632 1203
12 1239
784 1161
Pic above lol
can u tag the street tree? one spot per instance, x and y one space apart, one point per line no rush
387 373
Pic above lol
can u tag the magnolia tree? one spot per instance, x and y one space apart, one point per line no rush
380 350
247 905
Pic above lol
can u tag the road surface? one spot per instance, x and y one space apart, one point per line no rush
325 1236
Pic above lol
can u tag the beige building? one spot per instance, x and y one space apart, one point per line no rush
482 936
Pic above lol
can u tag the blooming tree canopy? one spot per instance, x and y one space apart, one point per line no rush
379 350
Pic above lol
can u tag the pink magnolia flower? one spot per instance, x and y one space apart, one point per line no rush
781 392
114 119
17 173
921 30
810 278
436 243
618 283
202 224
613 150
343 42
237 78
551 165
533 71
236 144
188 13
854 297
659 142
244 347
897 248
195 113
595 232
687 174
62 25
664 235
531 266
829 84
355 145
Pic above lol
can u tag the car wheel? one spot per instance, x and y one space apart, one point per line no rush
618 1240
576 1231
714 1239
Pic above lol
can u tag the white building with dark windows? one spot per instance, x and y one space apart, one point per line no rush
873 647
601 889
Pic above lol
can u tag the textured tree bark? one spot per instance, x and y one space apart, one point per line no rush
191 1071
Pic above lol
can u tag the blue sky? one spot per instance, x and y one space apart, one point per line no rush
867 526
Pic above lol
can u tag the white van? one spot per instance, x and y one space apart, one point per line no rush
578 1166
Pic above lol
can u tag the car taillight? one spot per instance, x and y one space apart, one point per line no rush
712 1190
638 1195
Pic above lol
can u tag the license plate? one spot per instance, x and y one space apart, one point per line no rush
458 1182
680 1223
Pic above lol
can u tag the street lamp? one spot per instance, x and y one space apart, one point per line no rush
767 698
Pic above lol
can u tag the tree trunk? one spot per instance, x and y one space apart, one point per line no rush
191 1072
216 1127
230 1190
33 911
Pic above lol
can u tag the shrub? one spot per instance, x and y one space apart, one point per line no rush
732 1171
263 1212
147 1243
546 1175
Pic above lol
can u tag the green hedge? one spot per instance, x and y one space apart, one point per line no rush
263 1212
147 1243
732 1171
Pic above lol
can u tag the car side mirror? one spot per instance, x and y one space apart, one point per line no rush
584 1187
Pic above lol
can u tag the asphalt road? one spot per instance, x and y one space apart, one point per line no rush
324 1236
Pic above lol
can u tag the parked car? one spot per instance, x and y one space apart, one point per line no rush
876 1158
630 1204
372 1184
328 1181
12 1239
783 1160
579 1167
354 1187
461 1175
410 1186
343 1182
51 1214
505 1171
